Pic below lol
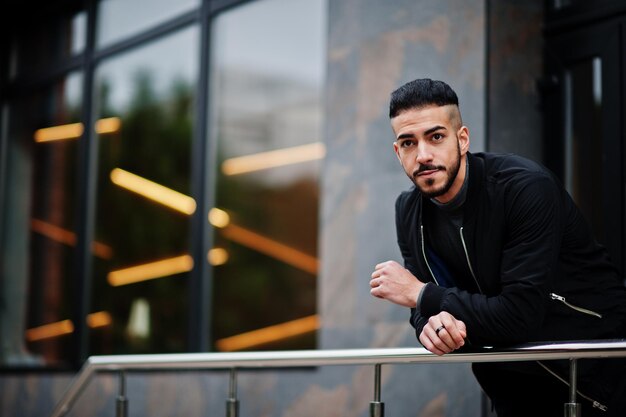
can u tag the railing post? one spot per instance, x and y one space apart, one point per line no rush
121 402
232 404
572 408
377 408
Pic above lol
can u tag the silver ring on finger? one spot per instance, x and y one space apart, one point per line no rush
438 329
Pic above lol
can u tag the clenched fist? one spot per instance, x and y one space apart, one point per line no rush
391 281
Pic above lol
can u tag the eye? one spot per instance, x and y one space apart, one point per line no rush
437 137
406 143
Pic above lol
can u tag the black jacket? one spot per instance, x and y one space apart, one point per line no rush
540 274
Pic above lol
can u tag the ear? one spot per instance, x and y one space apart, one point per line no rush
463 136
397 151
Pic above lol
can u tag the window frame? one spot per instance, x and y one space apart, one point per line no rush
202 179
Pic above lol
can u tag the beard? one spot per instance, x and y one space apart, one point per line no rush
451 171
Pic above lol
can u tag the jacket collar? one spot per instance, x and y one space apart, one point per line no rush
475 186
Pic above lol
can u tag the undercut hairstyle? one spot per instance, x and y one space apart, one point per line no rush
421 93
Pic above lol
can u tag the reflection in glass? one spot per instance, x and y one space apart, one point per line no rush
266 102
38 231
40 47
119 19
584 141
561 4
143 195
79 30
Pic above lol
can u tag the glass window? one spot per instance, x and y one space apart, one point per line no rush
578 5
583 146
145 107
48 43
38 239
268 70
119 19
561 4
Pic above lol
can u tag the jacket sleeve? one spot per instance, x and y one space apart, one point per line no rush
401 233
529 258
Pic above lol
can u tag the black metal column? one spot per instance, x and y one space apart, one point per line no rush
572 408
232 403
121 402
201 238
85 198
377 408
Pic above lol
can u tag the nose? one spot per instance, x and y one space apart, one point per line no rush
423 154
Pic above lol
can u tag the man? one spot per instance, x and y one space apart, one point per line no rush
496 253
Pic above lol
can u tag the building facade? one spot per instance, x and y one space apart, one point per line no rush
218 175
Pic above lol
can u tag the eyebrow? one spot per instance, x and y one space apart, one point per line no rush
434 129
426 132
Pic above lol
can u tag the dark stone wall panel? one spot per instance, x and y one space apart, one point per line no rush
515 66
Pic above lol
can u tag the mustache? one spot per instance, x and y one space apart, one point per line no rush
428 167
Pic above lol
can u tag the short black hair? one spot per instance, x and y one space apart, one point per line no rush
420 93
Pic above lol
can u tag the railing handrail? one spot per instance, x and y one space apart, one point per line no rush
306 358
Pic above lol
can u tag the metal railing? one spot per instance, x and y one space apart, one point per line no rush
303 358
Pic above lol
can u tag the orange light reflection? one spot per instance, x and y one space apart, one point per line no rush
68 131
63 327
267 246
273 159
68 238
218 218
99 319
108 125
75 130
269 334
153 191
151 270
51 330
217 256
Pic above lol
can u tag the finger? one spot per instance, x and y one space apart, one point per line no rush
373 292
443 340
377 288
436 327
444 333
462 328
385 264
377 271
461 325
453 335
380 265
437 336
428 344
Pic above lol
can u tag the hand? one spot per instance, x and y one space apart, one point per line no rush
391 281
443 334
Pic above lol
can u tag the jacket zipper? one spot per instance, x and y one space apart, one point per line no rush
424 254
469 264
579 309
594 403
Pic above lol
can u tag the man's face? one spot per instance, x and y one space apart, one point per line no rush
429 144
